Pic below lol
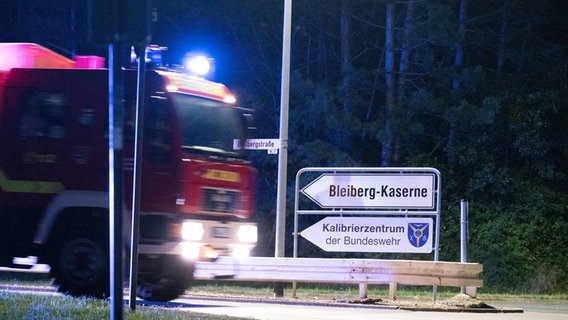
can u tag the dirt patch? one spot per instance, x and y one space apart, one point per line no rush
458 303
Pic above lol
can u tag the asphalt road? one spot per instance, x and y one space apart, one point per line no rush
272 310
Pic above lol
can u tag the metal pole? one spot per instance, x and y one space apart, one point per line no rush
115 125
463 246
463 237
135 235
279 247
437 235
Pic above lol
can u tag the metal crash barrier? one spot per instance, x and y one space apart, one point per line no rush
355 271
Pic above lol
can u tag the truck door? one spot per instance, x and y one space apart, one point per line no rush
38 158
158 164
88 140
159 159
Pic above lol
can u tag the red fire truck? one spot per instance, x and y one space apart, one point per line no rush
197 191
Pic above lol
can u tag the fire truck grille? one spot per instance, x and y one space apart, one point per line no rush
219 200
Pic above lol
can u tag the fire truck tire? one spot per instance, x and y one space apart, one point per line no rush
172 282
81 267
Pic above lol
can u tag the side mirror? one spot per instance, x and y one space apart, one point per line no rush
248 123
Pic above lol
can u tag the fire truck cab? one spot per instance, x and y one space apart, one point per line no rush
197 191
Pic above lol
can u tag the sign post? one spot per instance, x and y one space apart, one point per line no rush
406 199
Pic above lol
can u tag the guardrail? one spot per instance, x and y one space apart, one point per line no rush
356 271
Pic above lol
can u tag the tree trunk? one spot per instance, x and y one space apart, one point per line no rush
388 138
458 58
502 40
346 70
402 74
405 50
456 83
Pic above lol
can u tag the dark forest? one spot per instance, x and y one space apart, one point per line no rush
475 89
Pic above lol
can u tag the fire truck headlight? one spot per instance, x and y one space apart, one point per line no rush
192 231
247 233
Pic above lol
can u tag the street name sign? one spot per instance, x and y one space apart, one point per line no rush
270 145
372 234
373 190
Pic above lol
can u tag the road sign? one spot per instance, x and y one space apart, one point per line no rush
369 234
271 145
373 190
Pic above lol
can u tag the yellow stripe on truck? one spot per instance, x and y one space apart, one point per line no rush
221 175
25 186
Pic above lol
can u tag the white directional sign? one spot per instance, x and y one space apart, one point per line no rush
373 190
368 234
271 145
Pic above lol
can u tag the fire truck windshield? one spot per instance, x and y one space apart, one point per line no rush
208 126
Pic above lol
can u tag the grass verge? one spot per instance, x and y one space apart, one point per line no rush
15 305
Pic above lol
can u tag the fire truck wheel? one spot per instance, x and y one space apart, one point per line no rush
172 282
81 268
